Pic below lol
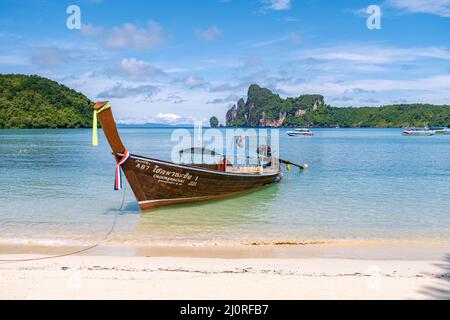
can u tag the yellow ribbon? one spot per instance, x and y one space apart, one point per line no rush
95 124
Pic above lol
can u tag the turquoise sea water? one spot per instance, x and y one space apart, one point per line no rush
362 184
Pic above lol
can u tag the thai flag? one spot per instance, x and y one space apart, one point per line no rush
118 180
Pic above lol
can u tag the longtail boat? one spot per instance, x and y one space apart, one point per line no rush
156 183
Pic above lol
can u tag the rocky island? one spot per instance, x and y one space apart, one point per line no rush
266 109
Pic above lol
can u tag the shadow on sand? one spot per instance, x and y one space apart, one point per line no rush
440 291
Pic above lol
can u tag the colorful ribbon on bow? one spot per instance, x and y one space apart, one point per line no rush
118 180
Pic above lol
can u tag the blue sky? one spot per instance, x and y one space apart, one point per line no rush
179 61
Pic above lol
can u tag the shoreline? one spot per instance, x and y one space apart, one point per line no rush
274 249
207 127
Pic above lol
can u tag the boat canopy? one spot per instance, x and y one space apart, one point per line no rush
237 156
197 150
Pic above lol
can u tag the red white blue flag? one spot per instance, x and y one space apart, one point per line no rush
118 180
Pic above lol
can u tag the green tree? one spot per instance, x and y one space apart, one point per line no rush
214 122
36 102
264 107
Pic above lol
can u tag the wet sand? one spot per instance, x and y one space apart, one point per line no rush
279 249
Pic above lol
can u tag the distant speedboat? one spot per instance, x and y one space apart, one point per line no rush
421 132
302 132
440 130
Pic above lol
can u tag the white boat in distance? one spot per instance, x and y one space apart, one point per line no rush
422 132
440 130
302 132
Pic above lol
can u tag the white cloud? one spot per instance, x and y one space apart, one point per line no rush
168 117
9 35
176 70
121 91
427 83
171 98
385 88
12 60
136 69
209 34
131 36
139 102
50 56
230 98
295 38
128 36
277 5
292 37
224 87
267 42
193 82
290 19
435 7
360 12
160 118
375 55
90 30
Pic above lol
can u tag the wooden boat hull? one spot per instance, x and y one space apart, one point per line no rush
158 183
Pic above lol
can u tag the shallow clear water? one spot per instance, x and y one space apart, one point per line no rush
362 184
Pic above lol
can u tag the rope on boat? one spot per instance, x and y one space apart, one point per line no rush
289 163
117 186
111 230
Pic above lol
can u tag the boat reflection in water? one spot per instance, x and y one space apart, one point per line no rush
209 220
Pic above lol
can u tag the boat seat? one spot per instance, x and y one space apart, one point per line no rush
223 165
246 170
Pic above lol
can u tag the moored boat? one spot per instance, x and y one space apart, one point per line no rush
301 132
156 183
422 132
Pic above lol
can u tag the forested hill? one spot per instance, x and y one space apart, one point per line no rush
36 102
264 108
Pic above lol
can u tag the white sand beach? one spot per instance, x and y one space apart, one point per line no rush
140 277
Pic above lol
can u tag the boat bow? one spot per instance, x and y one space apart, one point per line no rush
157 183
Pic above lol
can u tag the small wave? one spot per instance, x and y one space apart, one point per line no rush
41 242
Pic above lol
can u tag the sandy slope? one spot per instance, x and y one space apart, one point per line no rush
94 277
